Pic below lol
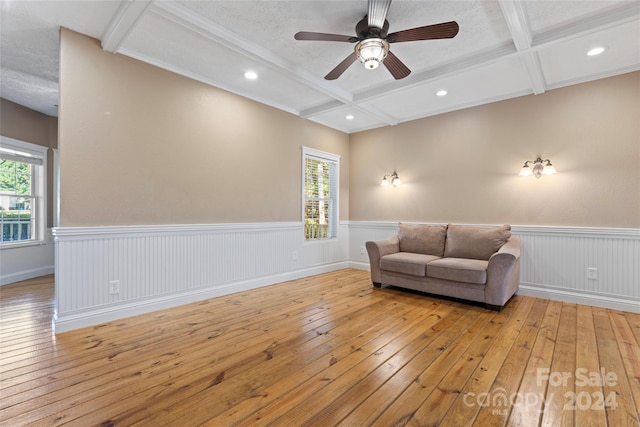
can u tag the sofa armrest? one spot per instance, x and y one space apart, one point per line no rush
378 249
503 273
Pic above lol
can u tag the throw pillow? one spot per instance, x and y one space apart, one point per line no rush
475 242
422 239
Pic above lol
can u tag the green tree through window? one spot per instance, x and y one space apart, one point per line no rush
22 173
320 198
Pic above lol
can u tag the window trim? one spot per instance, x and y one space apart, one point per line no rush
36 155
328 157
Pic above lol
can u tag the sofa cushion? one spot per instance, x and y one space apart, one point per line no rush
475 242
459 270
422 239
406 263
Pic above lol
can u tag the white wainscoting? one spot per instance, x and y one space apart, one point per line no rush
554 262
167 265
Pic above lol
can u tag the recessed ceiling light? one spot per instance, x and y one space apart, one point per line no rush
349 117
251 75
596 51
441 92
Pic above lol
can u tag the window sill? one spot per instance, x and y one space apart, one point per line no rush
23 244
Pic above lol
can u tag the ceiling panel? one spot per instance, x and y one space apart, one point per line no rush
567 62
548 15
362 120
488 83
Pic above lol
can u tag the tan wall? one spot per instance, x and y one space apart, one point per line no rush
463 166
24 124
140 145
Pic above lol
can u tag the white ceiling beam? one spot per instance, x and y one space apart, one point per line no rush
122 23
517 20
518 23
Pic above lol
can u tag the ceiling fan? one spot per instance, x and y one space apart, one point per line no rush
372 40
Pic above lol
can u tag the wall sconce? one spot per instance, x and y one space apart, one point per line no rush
540 167
395 180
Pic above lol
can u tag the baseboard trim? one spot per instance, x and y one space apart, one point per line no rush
26 275
359 265
579 297
71 321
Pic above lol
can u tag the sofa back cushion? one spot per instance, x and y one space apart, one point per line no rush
422 239
475 242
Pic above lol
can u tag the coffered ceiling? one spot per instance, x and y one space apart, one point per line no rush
504 49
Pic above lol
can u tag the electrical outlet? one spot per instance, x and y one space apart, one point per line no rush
114 287
363 250
294 255
592 273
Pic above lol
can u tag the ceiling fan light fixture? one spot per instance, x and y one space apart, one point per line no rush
372 52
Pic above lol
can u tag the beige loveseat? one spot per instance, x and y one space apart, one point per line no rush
473 263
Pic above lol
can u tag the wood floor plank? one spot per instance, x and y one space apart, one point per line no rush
428 374
620 406
630 352
307 413
505 387
561 383
319 351
390 328
528 411
587 361
461 412
356 366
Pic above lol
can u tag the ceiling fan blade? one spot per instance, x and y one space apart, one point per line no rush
341 67
445 30
307 35
378 10
396 67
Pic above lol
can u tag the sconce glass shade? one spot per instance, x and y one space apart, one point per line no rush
396 181
549 169
385 181
526 170
372 52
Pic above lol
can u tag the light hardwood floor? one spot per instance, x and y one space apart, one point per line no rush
324 350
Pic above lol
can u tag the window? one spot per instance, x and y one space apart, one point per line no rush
22 200
320 194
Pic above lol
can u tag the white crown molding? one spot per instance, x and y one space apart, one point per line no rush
628 12
592 77
122 23
470 104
